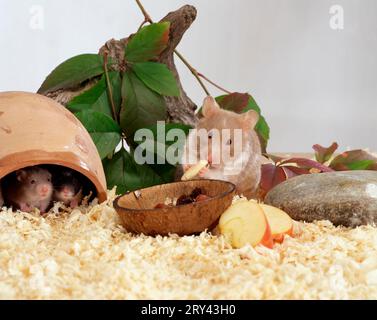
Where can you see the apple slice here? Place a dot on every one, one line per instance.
(280, 222)
(245, 223)
(194, 171)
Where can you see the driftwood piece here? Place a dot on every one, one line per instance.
(180, 109)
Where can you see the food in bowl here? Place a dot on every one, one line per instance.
(197, 195)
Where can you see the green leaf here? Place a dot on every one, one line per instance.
(243, 102)
(263, 130)
(122, 171)
(97, 98)
(148, 43)
(354, 160)
(142, 107)
(104, 131)
(157, 77)
(165, 171)
(73, 72)
(360, 165)
(252, 105)
(116, 85)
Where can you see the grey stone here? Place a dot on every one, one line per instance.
(347, 198)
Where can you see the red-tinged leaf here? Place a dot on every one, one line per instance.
(295, 171)
(268, 172)
(236, 102)
(267, 177)
(288, 173)
(323, 154)
(148, 43)
(275, 159)
(373, 166)
(271, 176)
(354, 160)
(280, 176)
(307, 164)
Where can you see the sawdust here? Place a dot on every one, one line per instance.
(86, 254)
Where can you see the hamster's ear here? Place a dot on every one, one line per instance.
(21, 175)
(210, 107)
(250, 119)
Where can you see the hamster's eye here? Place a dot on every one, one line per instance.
(32, 181)
(229, 142)
(49, 179)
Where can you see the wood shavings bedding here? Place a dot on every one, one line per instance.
(87, 255)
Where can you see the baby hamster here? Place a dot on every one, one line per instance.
(28, 188)
(67, 187)
(233, 155)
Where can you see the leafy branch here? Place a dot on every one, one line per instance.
(130, 90)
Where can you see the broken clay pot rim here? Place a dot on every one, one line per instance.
(60, 159)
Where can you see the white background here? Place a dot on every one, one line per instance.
(314, 84)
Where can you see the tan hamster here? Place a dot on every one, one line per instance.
(28, 188)
(233, 150)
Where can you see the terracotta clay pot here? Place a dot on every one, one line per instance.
(36, 130)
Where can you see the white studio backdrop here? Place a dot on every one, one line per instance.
(310, 64)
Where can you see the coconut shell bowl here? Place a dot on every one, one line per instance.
(139, 214)
(36, 130)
